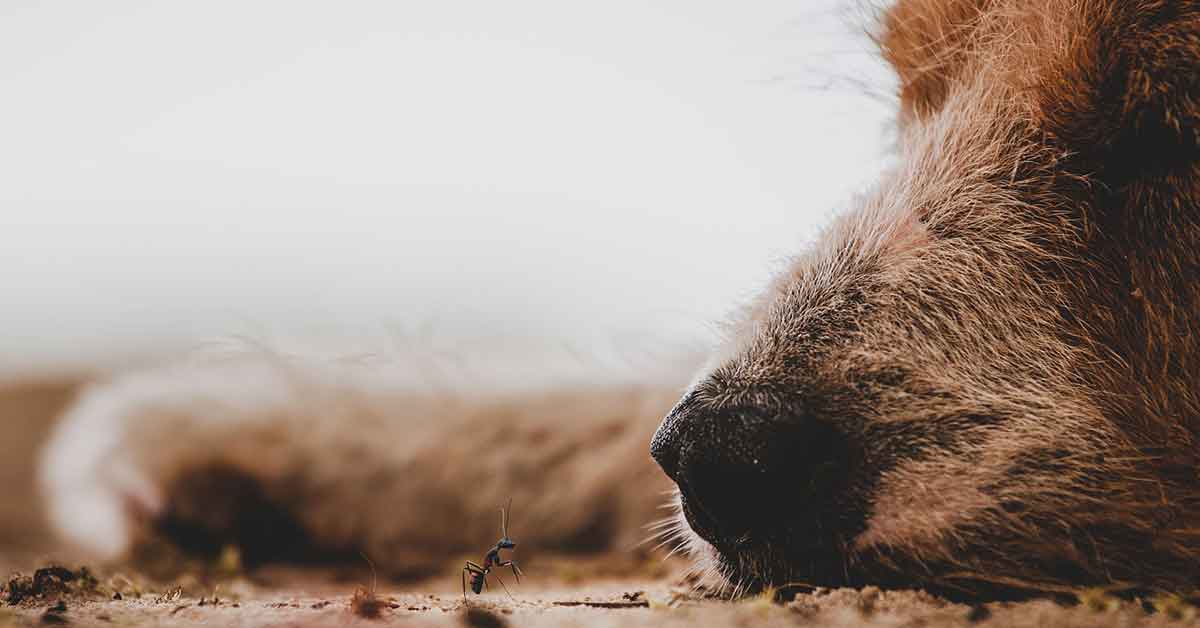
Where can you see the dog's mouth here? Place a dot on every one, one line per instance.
(773, 554)
(809, 543)
(724, 537)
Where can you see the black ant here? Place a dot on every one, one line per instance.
(479, 574)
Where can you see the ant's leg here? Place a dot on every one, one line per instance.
(515, 568)
(505, 588)
(472, 569)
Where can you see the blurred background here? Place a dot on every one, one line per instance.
(333, 177)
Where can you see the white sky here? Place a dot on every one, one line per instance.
(174, 172)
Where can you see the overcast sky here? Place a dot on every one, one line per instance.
(177, 172)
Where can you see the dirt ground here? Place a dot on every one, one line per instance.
(323, 599)
(565, 591)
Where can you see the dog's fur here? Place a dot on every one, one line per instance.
(1006, 331)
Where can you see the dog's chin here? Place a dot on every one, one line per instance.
(731, 573)
(747, 567)
(759, 565)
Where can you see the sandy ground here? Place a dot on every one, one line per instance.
(565, 591)
(316, 599)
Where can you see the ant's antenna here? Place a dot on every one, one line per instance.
(374, 575)
(504, 519)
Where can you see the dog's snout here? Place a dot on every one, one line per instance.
(741, 469)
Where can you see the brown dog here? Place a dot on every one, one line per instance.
(985, 375)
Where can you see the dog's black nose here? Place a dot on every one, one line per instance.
(742, 470)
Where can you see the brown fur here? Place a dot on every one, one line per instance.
(1005, 331)
(1007, 326)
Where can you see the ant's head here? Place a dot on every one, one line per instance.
(506, 543)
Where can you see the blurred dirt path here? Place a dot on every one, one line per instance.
(593, 605)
